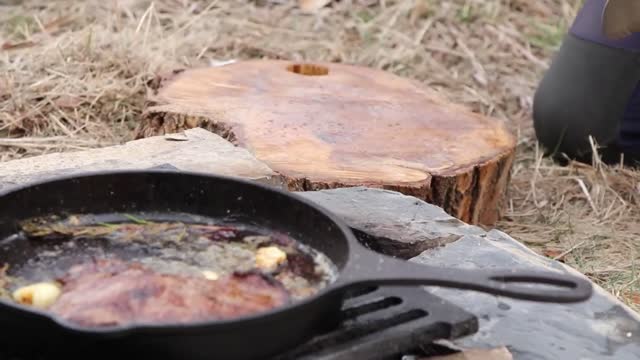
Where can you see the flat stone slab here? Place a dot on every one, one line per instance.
(601, 328)
(398, 225)
(403, 227)
(194, 150)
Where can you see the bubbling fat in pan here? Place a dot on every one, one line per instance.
(152, 272)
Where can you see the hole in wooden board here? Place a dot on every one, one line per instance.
(308, 69)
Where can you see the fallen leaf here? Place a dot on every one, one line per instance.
(552, 253)
(476, 354)
(56, 25)
(312, 5)
(50, 28)
(14, 46)
(633, 297)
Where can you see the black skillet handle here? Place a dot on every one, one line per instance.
(367, 268)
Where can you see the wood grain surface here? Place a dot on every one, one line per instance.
(326, 125)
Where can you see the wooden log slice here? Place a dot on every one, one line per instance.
(331, 125)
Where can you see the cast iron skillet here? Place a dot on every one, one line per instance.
(252, 337)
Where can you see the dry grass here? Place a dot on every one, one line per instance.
(74, 75)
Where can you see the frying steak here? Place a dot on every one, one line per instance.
(109, 292)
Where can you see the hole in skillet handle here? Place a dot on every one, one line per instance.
(366, 268)
(579, 289)
(529, 279)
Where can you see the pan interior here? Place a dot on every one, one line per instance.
(156, 196)
(34, 260)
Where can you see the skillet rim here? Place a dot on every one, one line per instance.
(194, 326)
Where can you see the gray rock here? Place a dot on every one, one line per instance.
(199, 151)
(403, 226)
(601, 328)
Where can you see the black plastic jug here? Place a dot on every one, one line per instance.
(591, 89)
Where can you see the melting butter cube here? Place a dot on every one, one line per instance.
(268, 258)
(210, 275)
(39, 295)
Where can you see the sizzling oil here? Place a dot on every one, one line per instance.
(51, 246)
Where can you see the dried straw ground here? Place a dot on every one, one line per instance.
(73, 75)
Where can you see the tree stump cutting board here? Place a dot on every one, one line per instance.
(328, 125)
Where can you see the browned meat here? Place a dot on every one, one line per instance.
(110, 292)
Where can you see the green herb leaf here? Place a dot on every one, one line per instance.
(135, 219)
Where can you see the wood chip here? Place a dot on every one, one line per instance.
(215, 63)
(312, 5)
